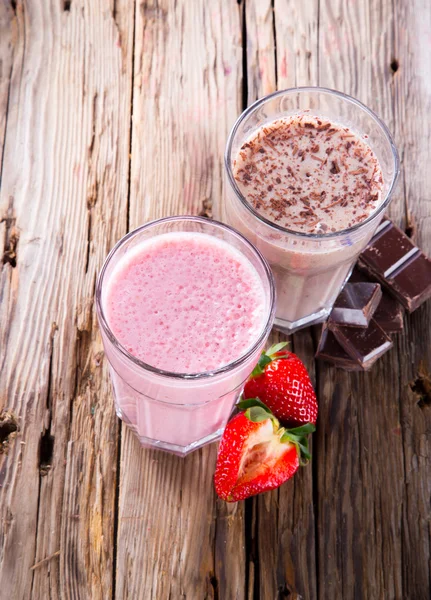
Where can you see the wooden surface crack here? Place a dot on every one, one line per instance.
(244, 57)
(132, 92)
(11, 236)
(46, 442)
(5, 116)
(274, 35)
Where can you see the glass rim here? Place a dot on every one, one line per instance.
(174, 375)
(280, 228)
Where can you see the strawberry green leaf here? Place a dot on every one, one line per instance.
(303, 429)
(276, 348)
(257, 414)
(260, 367)
(290, 437)
(267, 357)
(244, 404)
(297, 436)
(304, 454)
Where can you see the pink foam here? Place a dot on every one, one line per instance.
(185, 302)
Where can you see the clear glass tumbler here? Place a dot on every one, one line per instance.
(309, 269)
(174, 411)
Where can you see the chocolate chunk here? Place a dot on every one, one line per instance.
(360, 276)
(389, 313)
(356, 304)
(412, 283)
(364, 345)
(399, 265)
(330, 351)
(388, 250)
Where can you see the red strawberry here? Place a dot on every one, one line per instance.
(282, 382)
(256, 455)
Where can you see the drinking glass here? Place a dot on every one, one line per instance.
(179, 412)
(309, 269)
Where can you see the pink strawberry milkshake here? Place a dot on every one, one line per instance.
(185, 310)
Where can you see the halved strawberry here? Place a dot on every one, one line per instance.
(256, 454)
(281, 381)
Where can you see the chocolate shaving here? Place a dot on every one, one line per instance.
(272, 160)
(335, 169)
(335, 202)
(314, 157)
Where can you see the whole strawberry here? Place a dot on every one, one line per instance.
(256, 454)
(281, 381)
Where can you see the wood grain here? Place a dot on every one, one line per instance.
(68, 132)
(7, 35)
(186, 95)
(362, 414)
(111, 114)
(282, 554)
(412, 93)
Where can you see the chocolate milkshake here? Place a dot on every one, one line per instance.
(308, 188)
(309, 175)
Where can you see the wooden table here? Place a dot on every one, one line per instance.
(116, 112)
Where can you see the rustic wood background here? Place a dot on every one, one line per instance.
(115, 112)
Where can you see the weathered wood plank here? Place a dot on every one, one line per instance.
(362, 494)
(282, 554)
(260, 45)
(186, 96)
(7, 42)
(296, 25)
(410, 71)
(358, 514)
(65, 181)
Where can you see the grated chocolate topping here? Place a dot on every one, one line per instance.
(307, 162)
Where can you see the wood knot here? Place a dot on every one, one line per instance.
(421, 386)
(207, 208)
(394, 66)
(8, 429)
(9, 254)
(11, 235)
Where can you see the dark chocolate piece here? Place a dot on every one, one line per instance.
(356, 304)
(389, 249)
(389, 313)
(364, 345)
(412, 283)
(330, 351)
(360, 276)
(399, 265)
